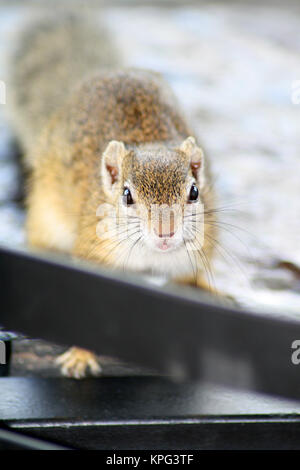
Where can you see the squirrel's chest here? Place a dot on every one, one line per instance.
(156, 279)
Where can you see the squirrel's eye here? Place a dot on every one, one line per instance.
(194, 193)
(127, 198)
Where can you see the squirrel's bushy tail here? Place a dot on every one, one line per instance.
(53, 54)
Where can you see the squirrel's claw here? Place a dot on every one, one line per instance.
(75, 362)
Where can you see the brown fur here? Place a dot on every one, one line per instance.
(52, 55)
(133, 106)
(66, 129)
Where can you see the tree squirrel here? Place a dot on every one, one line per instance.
(117, 175)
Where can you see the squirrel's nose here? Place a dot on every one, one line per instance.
(160, 234)
(165, 226)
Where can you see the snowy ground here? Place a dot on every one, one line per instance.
(232, 68)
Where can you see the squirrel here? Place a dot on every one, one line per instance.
(117, 175)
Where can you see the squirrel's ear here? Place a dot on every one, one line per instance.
(196, 157)
(111, 165)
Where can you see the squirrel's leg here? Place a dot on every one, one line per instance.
(202, 283)
(199, 282)
(76, 362)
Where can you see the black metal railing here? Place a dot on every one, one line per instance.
(179, 332)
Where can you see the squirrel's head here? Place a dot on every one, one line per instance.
(157, 190)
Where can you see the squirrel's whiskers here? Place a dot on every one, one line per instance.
(118, 177)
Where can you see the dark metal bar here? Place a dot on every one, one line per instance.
(12, 440)
(147, 413)
(175, 331)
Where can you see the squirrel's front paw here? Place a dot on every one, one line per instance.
(75, 363)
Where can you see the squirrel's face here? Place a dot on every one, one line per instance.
(157, 190)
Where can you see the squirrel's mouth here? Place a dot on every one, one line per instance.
(163, 241)
(165, 244)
